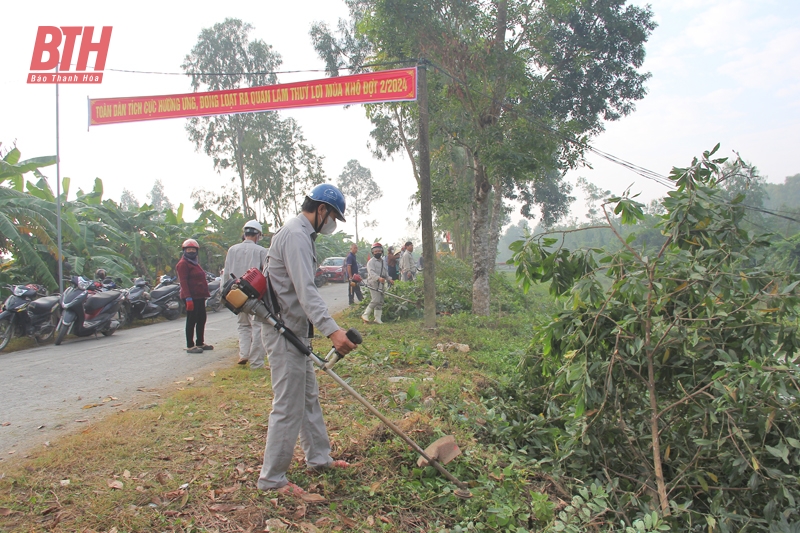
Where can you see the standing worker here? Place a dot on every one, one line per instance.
(351, 265)
(377, 277)
(292, 262)
(407, 263)
(391, 263)
(194, 291)
(242, 257)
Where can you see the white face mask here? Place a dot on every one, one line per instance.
(329, 226)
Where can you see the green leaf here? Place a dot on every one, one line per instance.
(12, 157)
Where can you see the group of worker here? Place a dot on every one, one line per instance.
(290, 264)
(381, 273)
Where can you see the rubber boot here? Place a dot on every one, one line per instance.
(378, 313)
(365, 316)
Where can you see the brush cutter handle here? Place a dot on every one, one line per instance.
(333, 357)
(354, 336)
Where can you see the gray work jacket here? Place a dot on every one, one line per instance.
(406, 262)
(242, 257)
(291, 264)
(376, 269)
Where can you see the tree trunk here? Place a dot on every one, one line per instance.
(480, 241)
(654, 432)
(237, 152)
(356, 226)
(406, 145)
(494, 228)
(482, 257)
(426, 208)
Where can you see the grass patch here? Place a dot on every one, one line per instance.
(191, 463)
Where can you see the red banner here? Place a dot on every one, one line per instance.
(384, 86)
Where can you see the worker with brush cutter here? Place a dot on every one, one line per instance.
(377, 277)
(291, 264)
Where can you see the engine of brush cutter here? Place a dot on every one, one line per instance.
(237, 292)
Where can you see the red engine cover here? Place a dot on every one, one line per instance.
(253, 283)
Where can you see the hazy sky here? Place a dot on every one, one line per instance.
(723, 71)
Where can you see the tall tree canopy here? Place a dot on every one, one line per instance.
(269, 156)
(359, 188)
(518, 86)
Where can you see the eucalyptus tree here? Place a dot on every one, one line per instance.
(268, 155)
(360, 189)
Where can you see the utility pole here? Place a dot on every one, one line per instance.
(426, 209)
(60, 269)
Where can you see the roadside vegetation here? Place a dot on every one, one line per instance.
(646, 387)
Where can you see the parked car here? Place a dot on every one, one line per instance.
(334, 269)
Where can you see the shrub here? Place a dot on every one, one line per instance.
(672, 375)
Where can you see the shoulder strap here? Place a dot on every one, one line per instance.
(271, 299)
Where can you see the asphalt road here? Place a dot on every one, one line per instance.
(47, 391)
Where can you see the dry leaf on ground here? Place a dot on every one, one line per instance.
(225, 507)
(312, 498)
(308, 527)
(300, 512)
(276, 524)
(174, 494)
(5, 511)
(114, 483)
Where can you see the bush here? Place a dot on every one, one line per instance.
(454, 293)
(673, 375)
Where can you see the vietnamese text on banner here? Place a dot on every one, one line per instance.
(384, 86)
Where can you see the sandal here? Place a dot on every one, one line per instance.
(290, 489)
(339, 463)
(206, 347)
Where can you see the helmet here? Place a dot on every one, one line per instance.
(190, 243)
(377, 245)
(330, 195)
(100, 273)
(252, 227)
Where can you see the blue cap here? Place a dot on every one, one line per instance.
(331, 195)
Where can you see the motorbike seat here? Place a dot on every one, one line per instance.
(159, 292)
(43, 304)
(100, 299)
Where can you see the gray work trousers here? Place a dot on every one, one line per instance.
(376, 299)
(251, 346)
(295, 412)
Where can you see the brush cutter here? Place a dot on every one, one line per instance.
(358, 279)
(247, 295)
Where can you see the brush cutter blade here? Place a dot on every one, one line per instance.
(443, 450)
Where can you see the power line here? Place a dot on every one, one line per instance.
(263, 73)
(642, 171)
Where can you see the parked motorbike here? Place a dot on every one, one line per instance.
(28, 311)
(214, 301)
(320, 277)
(125, 312)
(86, 310)
(167, 296)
